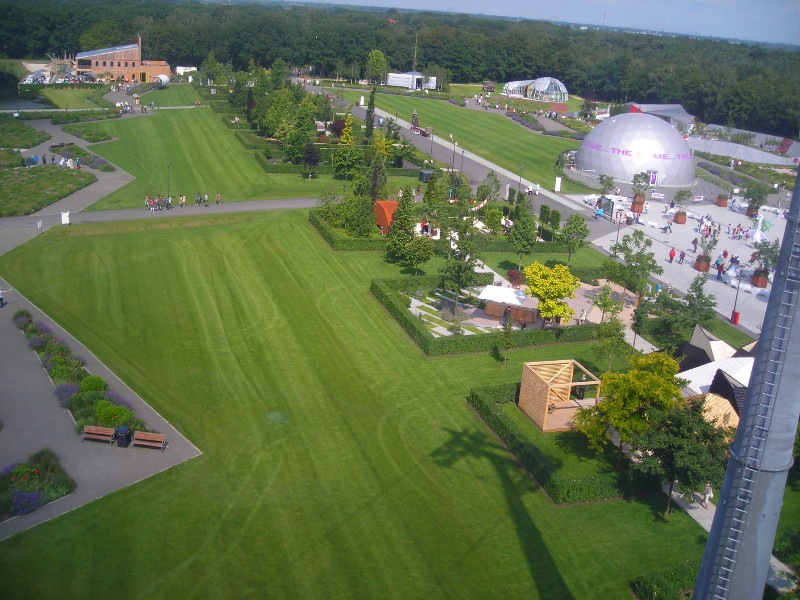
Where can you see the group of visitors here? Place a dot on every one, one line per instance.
(159, 202)
(35, 161)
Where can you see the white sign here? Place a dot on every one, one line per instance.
(558, 185)
(65, 218)
(657, 196)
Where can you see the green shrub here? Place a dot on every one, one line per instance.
(111, 415)
(340, 241)
(94, 383)
(666, 584)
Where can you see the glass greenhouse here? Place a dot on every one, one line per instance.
(546, 89)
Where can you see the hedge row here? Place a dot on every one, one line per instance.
(250, 140)
(338, 241)
(561, 489)
(228, 122)
(282, 167)
(385, 291)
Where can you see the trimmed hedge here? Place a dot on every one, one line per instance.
(397, 306)
(561, 489)
(250, 140)
(666, 584)
(338, 241)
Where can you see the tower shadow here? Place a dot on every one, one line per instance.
(543, 569)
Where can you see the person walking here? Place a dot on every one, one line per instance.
(720, 271)
(646, 207)
(197, 199)
(2, 299)
(708, 494)
(681, 257)
(672, 254)
(219, 199)
(205, 200)
(582, 318)
(694, 245)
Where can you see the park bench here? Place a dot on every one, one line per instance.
(154, 440)
(93, 432)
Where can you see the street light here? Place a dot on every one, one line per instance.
(168, 165)
(453, 158)
(346, 166)
(736, 299)
(519, 185)
(431, 134)
(462, 161)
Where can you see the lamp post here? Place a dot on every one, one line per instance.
(736, 299)
(519, 185)
(453, 158)
(619, 222)
(346, 166)
(431, 145)
(462, 161)
(168, 165)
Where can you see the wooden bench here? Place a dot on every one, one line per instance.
(93, 432)
(154, 440)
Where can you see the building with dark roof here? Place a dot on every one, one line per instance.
(120, 63)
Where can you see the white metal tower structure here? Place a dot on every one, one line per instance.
(736, 559)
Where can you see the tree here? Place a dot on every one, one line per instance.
(311, 157)
(304, 116)
(680, 446)
(489, 188)
(640, 183)
(649, 384)
(683, 197)
(550, 285)
(377, 66)
(573, 236)
(346, 160)
(401, 231)
(279, 74)
(523, 236)
(697, 307)
(102, 35)
(555, 220)
(377, 177)
(606, 184)
(347, 133)
(295, 146)
(508, 339)
(358, 214)
(606, 303)
(544, 214)
(459, 269)
(418, 250)
(766, 255)
(370, 120)
(588, 107)
(638, 263)
(610, 340)
(435, 196)
(757, 194)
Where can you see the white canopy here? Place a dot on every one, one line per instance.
(503, 295)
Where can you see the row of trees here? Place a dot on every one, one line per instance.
(748, 86)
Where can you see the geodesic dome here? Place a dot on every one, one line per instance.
(631, 143)
(546, 89)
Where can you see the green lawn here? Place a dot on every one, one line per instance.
(69, 98)
(722, 330)
(489, 135)
(175, 94)
(205, 157)
(502, 262)
(339, 461)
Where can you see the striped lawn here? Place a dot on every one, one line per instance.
(339, 461)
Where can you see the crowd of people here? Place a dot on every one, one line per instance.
(35, 161)
(159, 202)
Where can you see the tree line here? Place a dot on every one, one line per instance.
(742, 85)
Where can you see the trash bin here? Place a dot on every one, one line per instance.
(735, 318)
(123, 436)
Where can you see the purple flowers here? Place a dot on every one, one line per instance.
(65, 391)
(43, 328)
(23, 503)
(118, 400)
(36, 343)
(22, 321)
(8, 469)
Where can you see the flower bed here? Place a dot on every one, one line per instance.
(25, 487)
(86, 396)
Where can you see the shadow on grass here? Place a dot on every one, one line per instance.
(543, 569)
(507, 265)
(575, 444)
(497, 355)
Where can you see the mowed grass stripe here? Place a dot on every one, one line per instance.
(355, 469)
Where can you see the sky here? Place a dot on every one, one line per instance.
(775, 21)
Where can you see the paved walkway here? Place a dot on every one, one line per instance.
(705, 517)
(33, 420)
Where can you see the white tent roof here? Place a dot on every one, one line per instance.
(700, 378)
(503, 295)
(715, 348)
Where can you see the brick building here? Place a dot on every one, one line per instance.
(120, 63)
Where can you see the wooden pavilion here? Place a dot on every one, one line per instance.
(551, 396)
